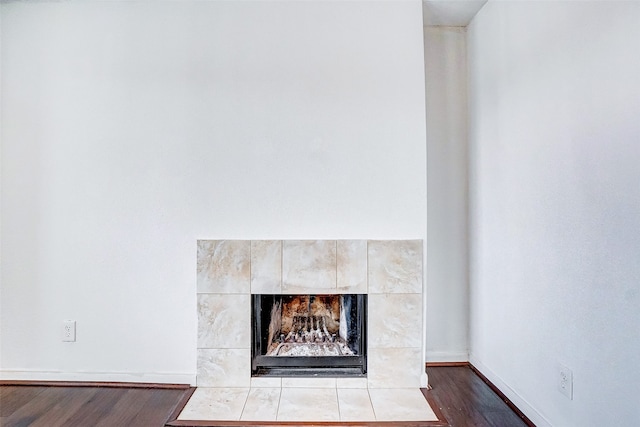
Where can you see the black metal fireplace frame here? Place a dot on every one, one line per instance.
(309, 366)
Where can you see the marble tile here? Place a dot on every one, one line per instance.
(224, 321)
(395, 266)
(351, 266)
(224, 266)
(262, 404)
(351, 382)
(266, 266)
(355, 405)
(394, 367)
(391, 271)
(308, 382)
(401, 405)
(224, 368)
(395, 320)
(308, 266)
(269, 382)
(308, 404)
(208, 404)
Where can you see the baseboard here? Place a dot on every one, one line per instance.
(98, 377)
(447, 356)
(163, 386)
(445, 364)
(516, 400)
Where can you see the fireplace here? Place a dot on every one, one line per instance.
(308, 335)
(378, 285)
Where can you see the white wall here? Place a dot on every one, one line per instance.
(132, 129)
(447, 246)
(555, 206)
(0, 187)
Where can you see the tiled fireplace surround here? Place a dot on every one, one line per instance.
(389, 271)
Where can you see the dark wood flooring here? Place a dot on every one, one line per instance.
(466, 401)
(52, 406)
(463, 398)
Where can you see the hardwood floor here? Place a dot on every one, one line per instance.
(48, 406)
(466, 401)
(463, 398)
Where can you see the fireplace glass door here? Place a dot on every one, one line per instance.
(309, 335)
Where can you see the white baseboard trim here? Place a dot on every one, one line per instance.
(447, 356)
(124, 377)
(536, 417)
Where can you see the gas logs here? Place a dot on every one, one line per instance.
(307, 325)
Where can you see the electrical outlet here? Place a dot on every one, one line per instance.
(69, 330)
(565, 381)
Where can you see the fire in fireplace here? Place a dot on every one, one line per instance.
(309, 335)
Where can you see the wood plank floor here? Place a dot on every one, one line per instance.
(33, 406)
(464, 399)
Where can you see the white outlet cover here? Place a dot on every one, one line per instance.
(69, 331)
(565, 381)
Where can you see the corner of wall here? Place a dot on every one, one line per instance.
(1, 185)
(447, 193)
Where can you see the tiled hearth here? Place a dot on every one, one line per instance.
(308, 404)
(390, 272)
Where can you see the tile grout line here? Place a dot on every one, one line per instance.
(281, 269)
(246, 399)
(338, 401)
(366, 266)
(371, 402)
(279, 399)
(336, 265)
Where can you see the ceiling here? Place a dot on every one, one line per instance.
(450, 13)
(447, 13)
